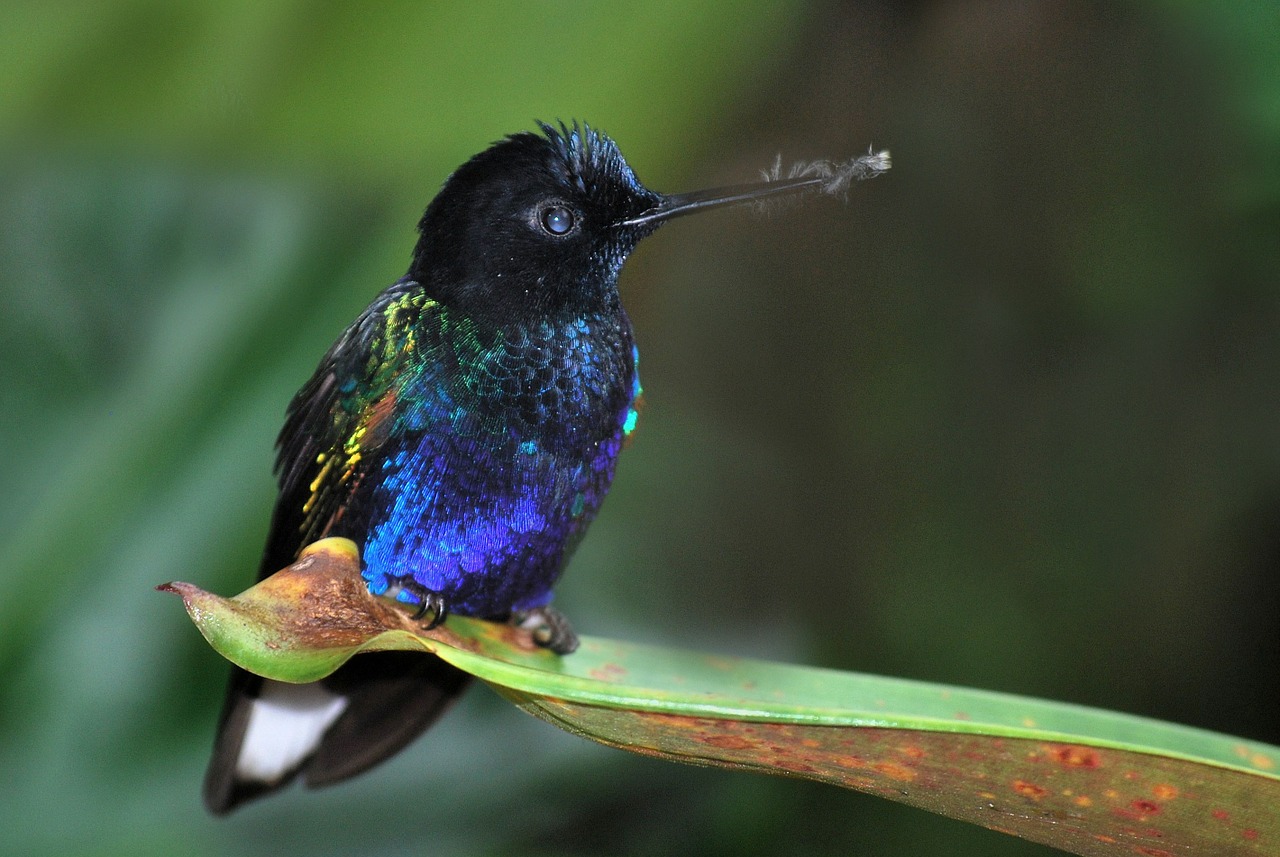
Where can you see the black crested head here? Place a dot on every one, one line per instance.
(591, 162)
(538, 225)
(531, 225)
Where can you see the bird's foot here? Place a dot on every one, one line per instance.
(425, 601)
(549, 627)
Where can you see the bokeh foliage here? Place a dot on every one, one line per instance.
(1007, 419)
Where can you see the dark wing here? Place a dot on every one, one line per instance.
(331, 430)
(269, 732)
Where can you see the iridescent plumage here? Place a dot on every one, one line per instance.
(480, 459)
(463, 432)
(463, 442)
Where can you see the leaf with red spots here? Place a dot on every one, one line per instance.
(1087, 781)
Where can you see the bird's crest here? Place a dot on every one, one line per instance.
(588, 156)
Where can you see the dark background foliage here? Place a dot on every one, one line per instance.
(1006, 419)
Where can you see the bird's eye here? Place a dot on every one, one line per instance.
(557, 220)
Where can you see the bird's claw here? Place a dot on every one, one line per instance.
(549, 628)
(428, 602)
(434, 604)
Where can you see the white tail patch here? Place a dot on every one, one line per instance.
(286, 723)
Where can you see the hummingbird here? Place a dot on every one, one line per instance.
(463, 432)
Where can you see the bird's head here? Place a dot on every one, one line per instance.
(540, 224)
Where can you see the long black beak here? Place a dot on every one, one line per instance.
(820, 177)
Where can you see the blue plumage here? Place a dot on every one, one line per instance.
(463, 432)
(490, 476)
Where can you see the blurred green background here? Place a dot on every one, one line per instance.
(1008, 418)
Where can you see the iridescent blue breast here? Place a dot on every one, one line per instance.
(499, 457)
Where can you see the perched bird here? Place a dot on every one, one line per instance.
(463, 432)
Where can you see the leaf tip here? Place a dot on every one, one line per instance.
(185, 591)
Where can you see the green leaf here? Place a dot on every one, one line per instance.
(1087, 781)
